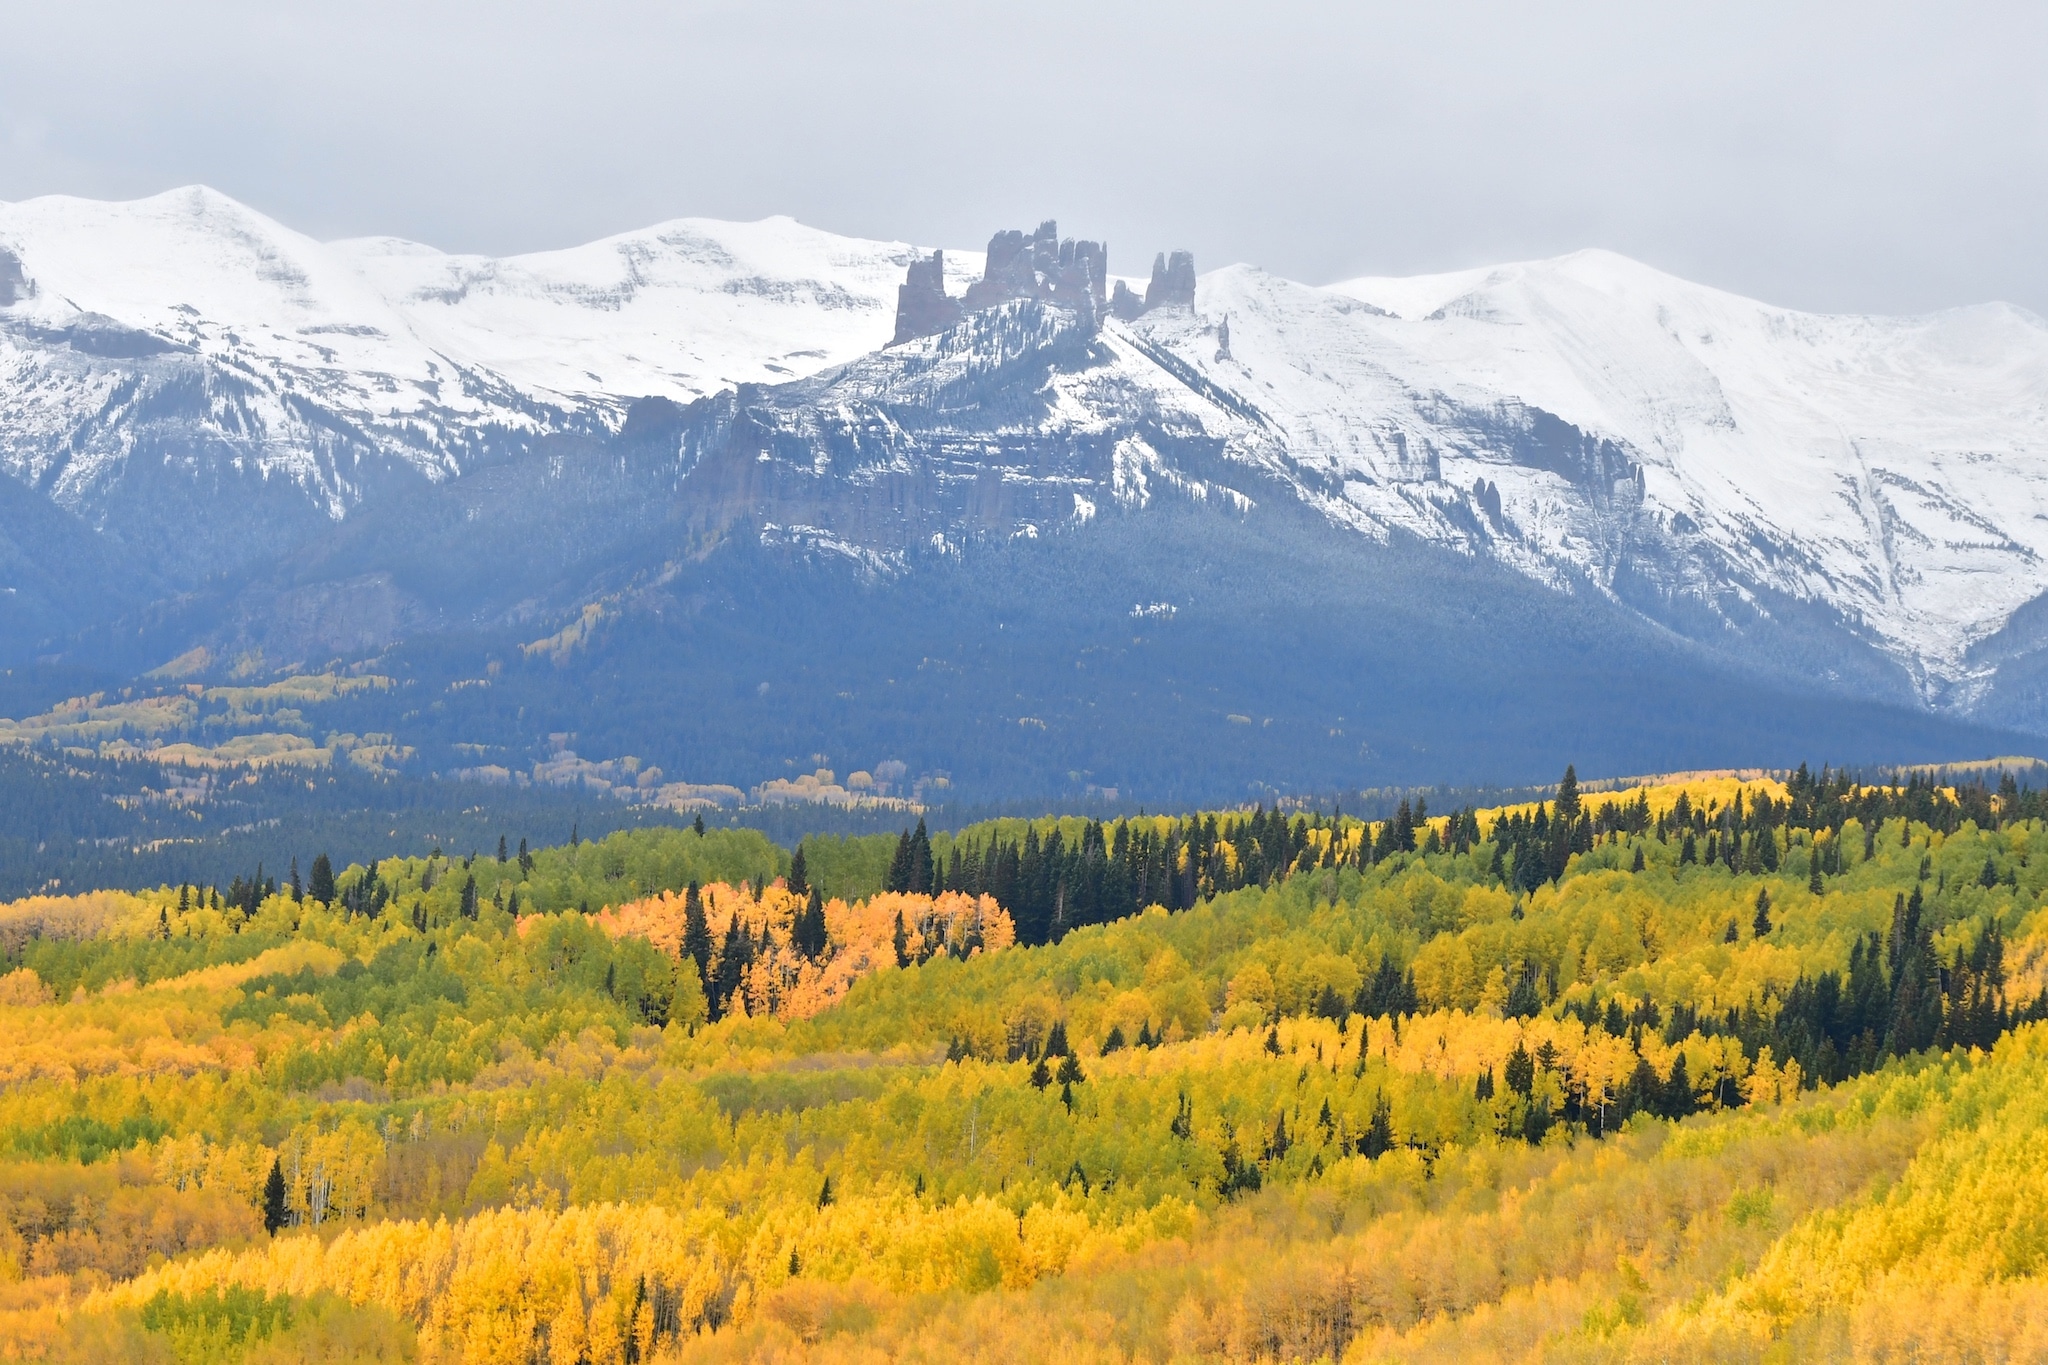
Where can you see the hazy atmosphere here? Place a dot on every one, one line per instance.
(1828, 156)
(1417, 734)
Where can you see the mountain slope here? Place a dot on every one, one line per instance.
(322, 452)
(1895, 468)
(190, 337)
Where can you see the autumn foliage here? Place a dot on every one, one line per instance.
(863, 938)
(1548, 1083)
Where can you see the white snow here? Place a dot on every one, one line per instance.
(1894, 468)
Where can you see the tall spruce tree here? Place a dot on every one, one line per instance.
(697, 935)
(320, 883)
(808, 931)
(276, 1213)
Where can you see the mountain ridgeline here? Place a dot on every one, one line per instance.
(801, 502)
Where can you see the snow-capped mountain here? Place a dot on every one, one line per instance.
(1832, 495)
(1893, 468)
(313, 362)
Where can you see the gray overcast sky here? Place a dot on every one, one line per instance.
(1864, 156)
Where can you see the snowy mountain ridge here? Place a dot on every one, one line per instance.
(1596, 424)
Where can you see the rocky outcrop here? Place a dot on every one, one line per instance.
(922, 305)
(1172, 286)
(1173, 281)
(1066, 273)
(12, 283)
(1072, 274)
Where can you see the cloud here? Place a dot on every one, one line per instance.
(1834, 156)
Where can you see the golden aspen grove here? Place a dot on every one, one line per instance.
(1708, 1068)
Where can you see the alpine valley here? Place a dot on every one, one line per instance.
(694, 512)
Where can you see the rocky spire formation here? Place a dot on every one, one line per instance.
(1173, 281)
(922, 305)
(1068, 273)
(1172, 286)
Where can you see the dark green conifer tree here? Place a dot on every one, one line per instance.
(809, 929)
(1678, 1097)
(918, 875)
(1379, 1133)
(697, 935)
(276, 1213)
(731, 971)
(1520, 1070)
(320, 883)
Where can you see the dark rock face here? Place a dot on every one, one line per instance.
(1173, 281)
(12, 282)
(1124, 304)
(1067, 274)
(922, 307)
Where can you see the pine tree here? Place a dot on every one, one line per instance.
(525, 860)
(320, 884)
(1520, 1070)
(901, 942)
(919, 872)
(275, 1212)
(1114, 1042)
(698, 824)
(825, 1195)
(1813, 882)
(504, 853)
(1678, 1096)
(1379, 1134)
(1041, 1075)
(1762, 924)
(799, 876)
(1277, 1145)
(1639, 864)
(298, 891)
(898, 876)
(809, 929)
(469, 906)
(733, 960)
(697, 935)
(1568, 795)
(1056, 1040)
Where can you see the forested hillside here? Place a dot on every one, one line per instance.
(1703, 1070)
